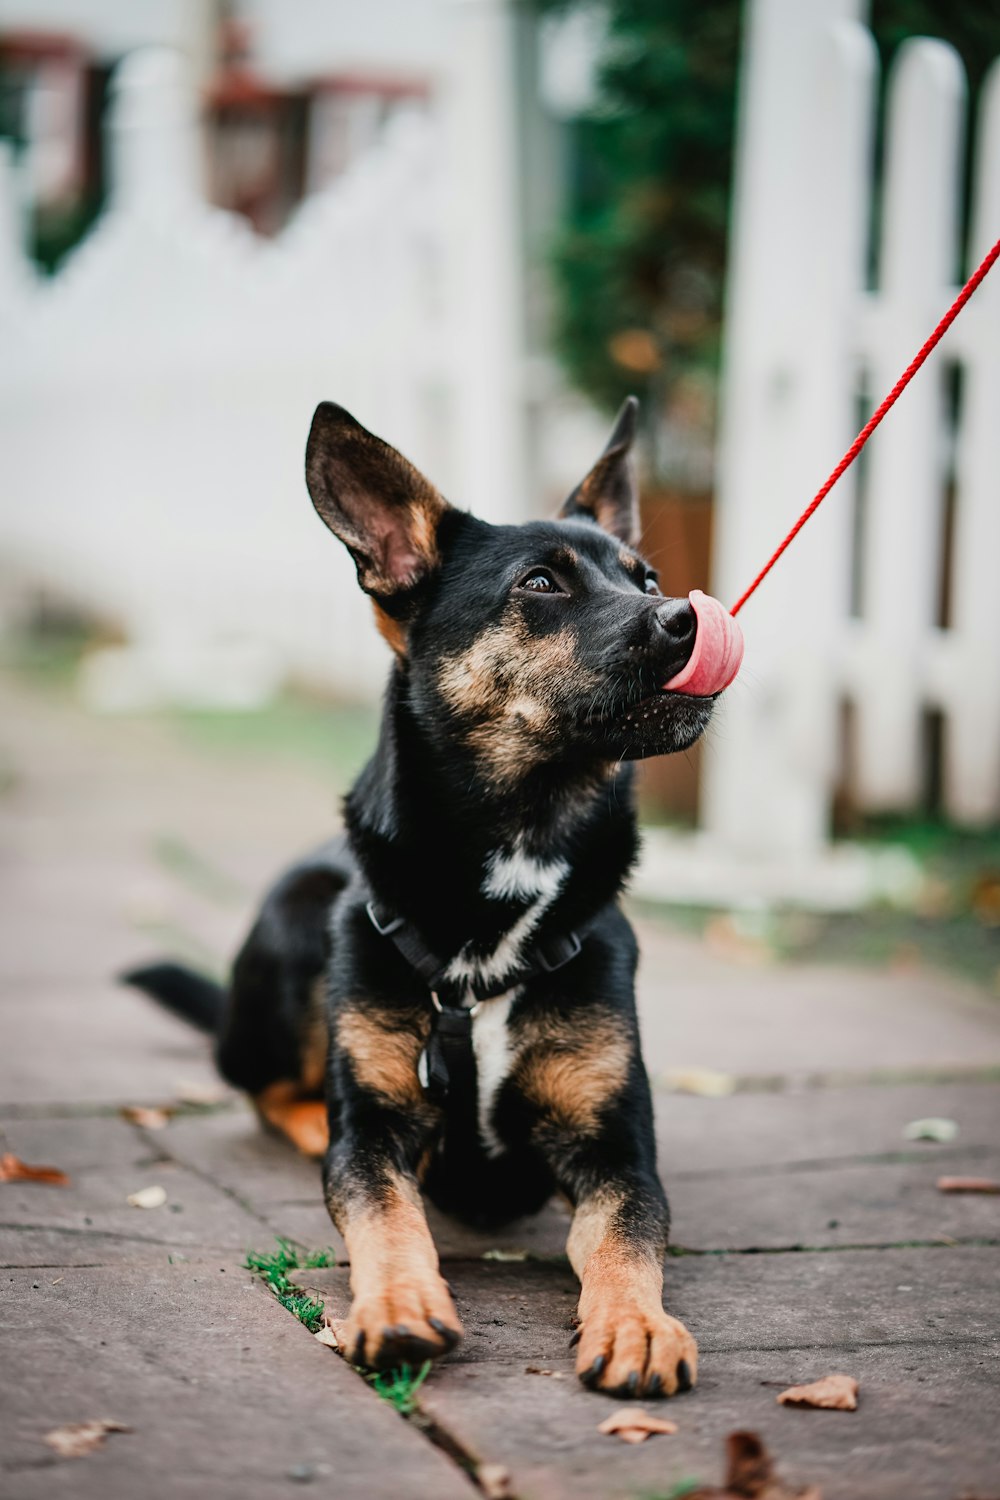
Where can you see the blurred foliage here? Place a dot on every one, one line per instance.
(951, 924)
(640, 261)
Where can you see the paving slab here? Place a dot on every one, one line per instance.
(227, 1396)
(94, 1043)
(917, 1328)
(771, 1170)
(90, 1221)
(771, 1130)
(697, 1009)
(845, 1205)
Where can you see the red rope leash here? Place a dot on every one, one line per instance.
(875, 419)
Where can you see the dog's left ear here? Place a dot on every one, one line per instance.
(610, 495)
(382, 508)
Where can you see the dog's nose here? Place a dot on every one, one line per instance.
(676, 628)
(676, 619)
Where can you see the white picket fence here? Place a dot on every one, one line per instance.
(155, 395)
(810, 350)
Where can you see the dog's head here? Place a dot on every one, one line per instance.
(529, 644)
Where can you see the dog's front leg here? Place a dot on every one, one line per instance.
(380, 1129)
(628, 1345)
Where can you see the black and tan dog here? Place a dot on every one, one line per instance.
(443, 1001)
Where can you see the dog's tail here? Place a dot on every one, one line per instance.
(189, 995)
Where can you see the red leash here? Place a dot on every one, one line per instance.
(875, 419)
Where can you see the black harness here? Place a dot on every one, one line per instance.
(449, 1047)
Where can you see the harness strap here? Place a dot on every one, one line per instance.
(449, 1052)
(541, 958)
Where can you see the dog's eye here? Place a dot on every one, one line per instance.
(540, 583)
(652, 584)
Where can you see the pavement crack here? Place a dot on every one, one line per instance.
(944, 1242)
(90, 1234)
(961, 1341)
(206, 1177)
(838, 1163)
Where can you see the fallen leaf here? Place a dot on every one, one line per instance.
(80, 1438)
(147, 1116)
(327, 1336)
(750, 1475)
(985, 901)
(538, 1370)
(836, 1392)
(634, 1426)
(932, 1129)
(202, 1095)
(967, 1185)
(13, 1169)
(512, 1255)
(706, 1082)
(148, 1197)
(494, 1481)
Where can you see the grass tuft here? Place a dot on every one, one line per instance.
(400, 1387)
(273, 1267)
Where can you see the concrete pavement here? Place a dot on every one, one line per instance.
(813, 1237)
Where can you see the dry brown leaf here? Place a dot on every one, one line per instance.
(634, 1426)
(13, 1169)
(148, 1197)
(327, 1336)
(540, 1370)
(148, 1116)
(750, 1475)
(834, 1392)
(80, 1438)
(494, 1481)
(967, 1185)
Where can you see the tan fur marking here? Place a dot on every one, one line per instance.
(425, 515)
(508, 685)
(572, 1074)
(315, 1041)
(395, 1278)
(302, 1121)
(384, 1053)
(591, 1222)
(391, 631)
(622, 1321)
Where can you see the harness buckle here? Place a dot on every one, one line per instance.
(550, 965)
(386, 930)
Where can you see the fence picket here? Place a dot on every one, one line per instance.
(971, 692)
(903, 517)
(769, 780)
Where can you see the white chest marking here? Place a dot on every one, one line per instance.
(491, 1045)
(509, 876)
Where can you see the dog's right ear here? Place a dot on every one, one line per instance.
(382, 508)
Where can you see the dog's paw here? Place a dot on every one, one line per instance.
(405, 1323)
(627, 1351)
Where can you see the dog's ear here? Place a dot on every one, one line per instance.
(382, 508)
(610, 495)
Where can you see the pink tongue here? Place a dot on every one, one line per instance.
(718, 650)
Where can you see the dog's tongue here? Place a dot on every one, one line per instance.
(718, 650)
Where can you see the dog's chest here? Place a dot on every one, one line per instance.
(511, 875)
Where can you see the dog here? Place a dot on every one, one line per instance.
(442, 1001)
